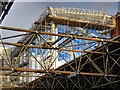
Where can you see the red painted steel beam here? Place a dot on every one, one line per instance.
(54, 34)
(57, 72)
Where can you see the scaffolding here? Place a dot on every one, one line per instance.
(65, 48)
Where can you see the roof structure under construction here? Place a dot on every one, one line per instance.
(67, 48)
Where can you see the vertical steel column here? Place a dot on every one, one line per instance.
(116, 32)
(72, 53)
(54, 29)
(117, 24)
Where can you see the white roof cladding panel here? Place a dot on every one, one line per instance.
(76, 11)
(82, 14)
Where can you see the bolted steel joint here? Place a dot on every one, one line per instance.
(36, 32)
(12, 69)
(102, 40)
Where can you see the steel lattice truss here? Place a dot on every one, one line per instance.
(79, 39)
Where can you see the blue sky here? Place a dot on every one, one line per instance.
(23, 14)
(66, 0)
